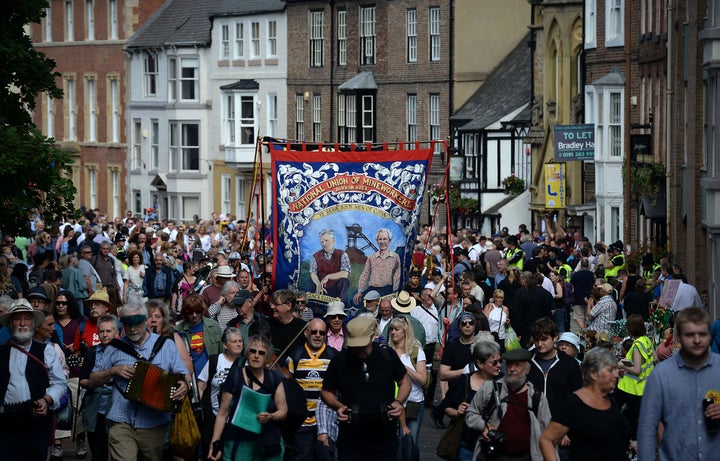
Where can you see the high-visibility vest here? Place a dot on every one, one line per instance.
(511, 254)
(635, 384)
(648, 274)
(613, 271)
(568, 271)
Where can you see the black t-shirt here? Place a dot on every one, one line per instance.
(638, 302)
(456, 355)
(283, 334)
(597, 435)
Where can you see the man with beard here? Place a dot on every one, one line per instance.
(308, 365)
(365, 375)
(159, 280)
(510, 406)
(137, 432)
(32, 382)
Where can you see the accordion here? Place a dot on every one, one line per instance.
(152, 386)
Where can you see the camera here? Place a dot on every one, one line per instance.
(495, 445)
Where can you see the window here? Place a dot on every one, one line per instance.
(412, 35)
(254, 39)
(299, 117)
(435, 120)
(225, 194)
(113, 22)
(136, 160)
(347, 118)
(71, 132)
(90, 19)
(367, 35)
(50, 117)
(92, 110)
(342, 37)
(247, 119)
(341, 119)
(272, 112)
(590, 23)
(92, 187)
(190, 208)
(316, 38)
(240, 200)
(615, 125)
(434, 34)
(115, 110)
(368, 119)
(154, 145)
(317, 125)
(614, 23)
(137, 201)
(115, 178)
(225, 41)
(186, 154)
(172, 79)
(151, 74)
(189, 79)
(69, 24)
(412, 118)
(230, 118)
(239, 51)
(272, 38)
(48, 24)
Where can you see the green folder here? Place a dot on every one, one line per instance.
(250, 404)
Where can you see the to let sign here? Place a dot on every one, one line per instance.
(574, 142)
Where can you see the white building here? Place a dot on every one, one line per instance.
(205, 79)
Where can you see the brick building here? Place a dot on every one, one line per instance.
(86, 39)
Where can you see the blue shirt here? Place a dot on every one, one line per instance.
(673, 395)
(125, 411)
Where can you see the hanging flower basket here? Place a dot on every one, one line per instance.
(436, 192)
(513, 185)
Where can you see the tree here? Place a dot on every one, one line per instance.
(35, 171)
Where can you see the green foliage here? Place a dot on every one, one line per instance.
(34, 170)
(645, 179)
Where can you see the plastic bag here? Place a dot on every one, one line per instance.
(185, 433)
(511, 340)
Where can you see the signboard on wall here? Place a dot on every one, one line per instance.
(574, 142)
(555, 181)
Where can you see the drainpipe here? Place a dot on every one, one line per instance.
(668, 123)
(332, 70)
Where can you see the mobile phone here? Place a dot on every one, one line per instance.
(627, 362)
(216, 447)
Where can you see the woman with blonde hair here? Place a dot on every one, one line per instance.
(402, 340)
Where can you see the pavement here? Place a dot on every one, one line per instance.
(429, 438)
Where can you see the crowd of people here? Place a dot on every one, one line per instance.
(516, 334)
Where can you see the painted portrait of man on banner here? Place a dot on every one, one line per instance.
(345, 219)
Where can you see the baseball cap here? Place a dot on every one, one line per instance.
(360, 331)
(240, 297)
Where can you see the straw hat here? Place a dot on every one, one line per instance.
(403, 302)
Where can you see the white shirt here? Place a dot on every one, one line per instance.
(18, 389)
(416, 392)
(548, 285)
(425, 316)
(221, 374)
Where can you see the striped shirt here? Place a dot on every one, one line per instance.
(309, 372)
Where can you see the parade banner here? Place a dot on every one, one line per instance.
(345, 220)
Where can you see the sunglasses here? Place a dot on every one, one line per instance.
(335, 317)
(318, 332)
(301, 302)
(467, 322)
(366, 374)
(61, 303)
(257, 352)
(495, 362)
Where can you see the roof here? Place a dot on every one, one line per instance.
(244, 84)
(505, 89)
(188, 22)
(613, 78)
(362, 81)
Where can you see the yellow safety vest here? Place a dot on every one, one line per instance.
(635, 384)
(511, 254)
(648, 275)
(613, 271)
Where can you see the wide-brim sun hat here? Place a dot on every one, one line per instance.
(570, 338)
(403, 302)
(335, 308)
(225, 272)
(100, 296)
(19, 306)
(360, 331)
